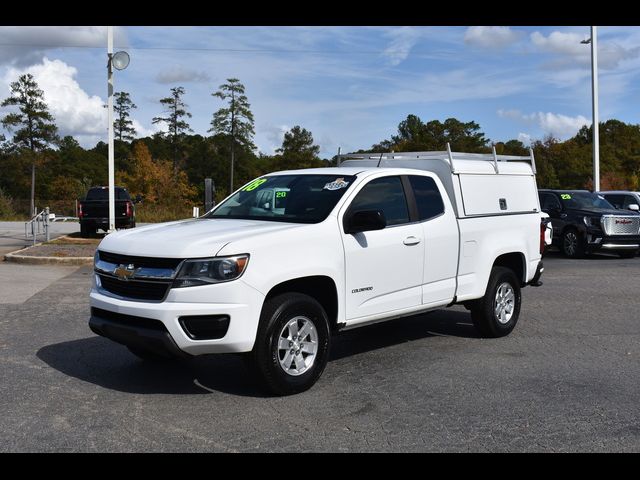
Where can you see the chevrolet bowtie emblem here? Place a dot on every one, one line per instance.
(125, 272)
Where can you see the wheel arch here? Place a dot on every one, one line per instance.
(320, 287)
(516, 262)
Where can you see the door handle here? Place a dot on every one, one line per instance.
(411, 240)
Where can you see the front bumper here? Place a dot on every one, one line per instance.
(596, 240)
(236, 299)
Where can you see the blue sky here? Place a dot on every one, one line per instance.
(350, 86)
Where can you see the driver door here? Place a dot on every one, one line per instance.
(383, 267)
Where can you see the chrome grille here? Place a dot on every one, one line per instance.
(621, 224)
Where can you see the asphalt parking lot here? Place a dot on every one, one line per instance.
(565, 380)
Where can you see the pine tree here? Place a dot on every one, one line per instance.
(298, 150)
(176, 111)
(122, 124)
(235, 121)
(32, 125)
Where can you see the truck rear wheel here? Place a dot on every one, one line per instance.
(292, 343)
(496, 314)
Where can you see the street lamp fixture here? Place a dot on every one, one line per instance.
(120, 60)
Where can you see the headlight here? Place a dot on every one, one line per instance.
(205, 271)
(591, 221)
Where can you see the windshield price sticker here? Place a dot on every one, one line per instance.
(565, 196)
(337, 184)
(255, 184)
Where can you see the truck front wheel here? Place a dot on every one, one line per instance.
(496, 314)
(572, 244)
(292, 343)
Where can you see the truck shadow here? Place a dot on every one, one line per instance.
(109, 365)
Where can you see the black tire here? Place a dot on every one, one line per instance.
(266, 357)
(83, 230)
(483, 312)
(147, 355)
(571, 244)
(627, 254)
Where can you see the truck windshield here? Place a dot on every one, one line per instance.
(285, 198)
(584, 200)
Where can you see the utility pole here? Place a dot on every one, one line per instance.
(594, 105)
(112, 202)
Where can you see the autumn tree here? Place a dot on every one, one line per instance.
(32, 125)
(154, 179)
(235, 120)
(176, 112)
(123, 125)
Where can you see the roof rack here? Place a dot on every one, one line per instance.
(447, 154)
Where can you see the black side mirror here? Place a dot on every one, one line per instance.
(364, 221)
(138, 198)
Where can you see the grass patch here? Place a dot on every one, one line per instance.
(151, 213)
(74, 239)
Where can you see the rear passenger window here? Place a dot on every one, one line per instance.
(428, 197)
(548, 201)
(384, 194)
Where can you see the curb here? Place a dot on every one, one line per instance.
(15, 257)
(32, 260)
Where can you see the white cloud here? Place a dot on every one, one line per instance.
(22, 45)
(561, 42)
(525, 138)
(142, 131)
(403, 40)
(610, 54)
(271, 138)
(490, 37)
(556, 124)
(76, 113)
(181, 75)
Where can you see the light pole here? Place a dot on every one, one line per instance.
(594, 103)
(119, 61)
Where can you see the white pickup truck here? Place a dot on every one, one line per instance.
(294, 256)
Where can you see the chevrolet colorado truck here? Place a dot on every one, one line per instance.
(292, 257)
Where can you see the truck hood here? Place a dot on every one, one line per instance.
(192, 238)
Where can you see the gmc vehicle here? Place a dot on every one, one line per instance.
(623, 199)
(584, 222)
(292, 257)
(93, 211)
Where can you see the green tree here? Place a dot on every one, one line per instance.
(415, 135)
(236, 120)
(176, 112)
(297, 150)
(32, 125)
(123, 125)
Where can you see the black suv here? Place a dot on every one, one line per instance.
(584, 222)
